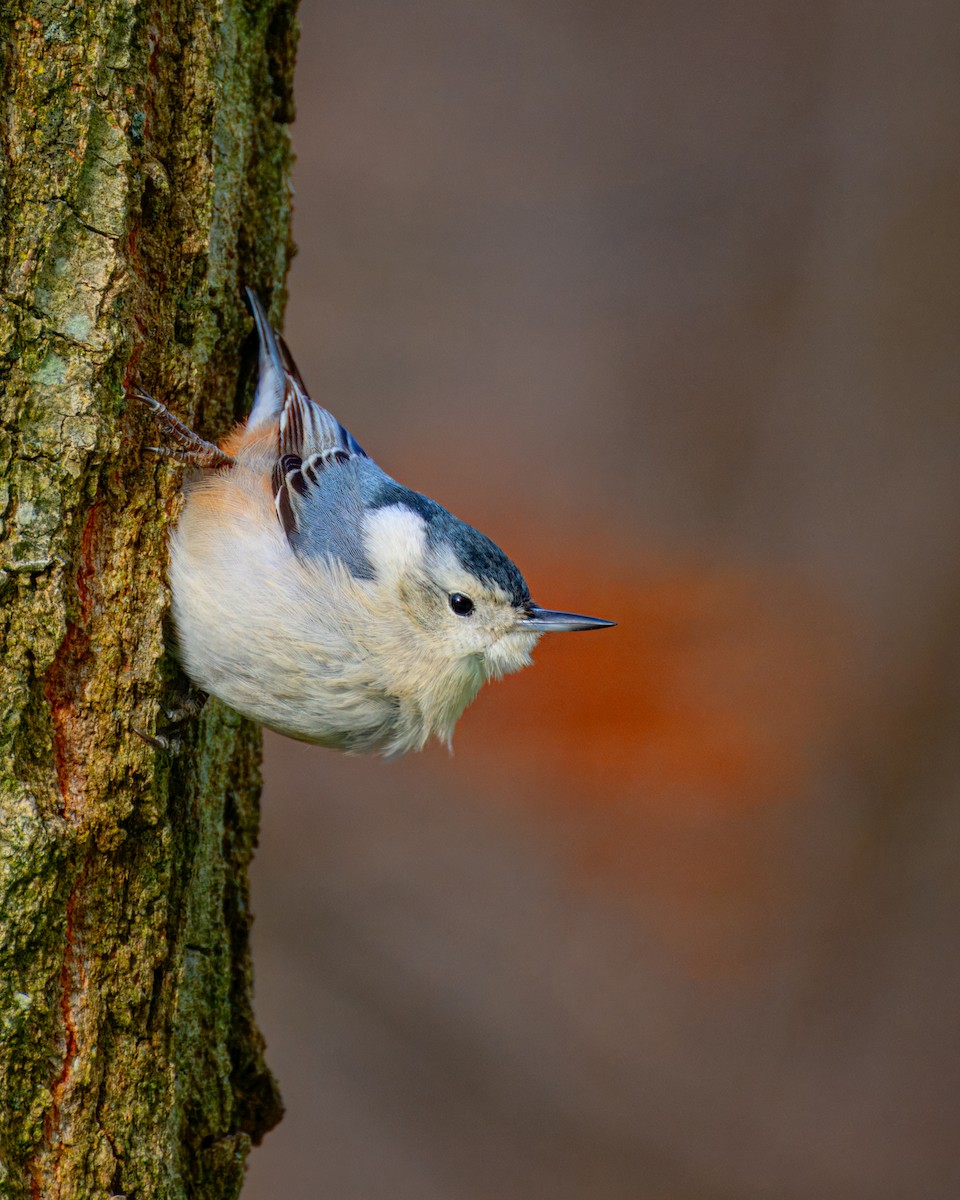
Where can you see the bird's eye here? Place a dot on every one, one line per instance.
(461, 605)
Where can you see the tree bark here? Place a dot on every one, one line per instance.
(144, 178)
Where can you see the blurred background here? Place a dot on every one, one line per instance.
(665, 298)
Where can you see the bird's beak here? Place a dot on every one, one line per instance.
(545, 620)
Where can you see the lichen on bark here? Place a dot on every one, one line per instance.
(143, 178)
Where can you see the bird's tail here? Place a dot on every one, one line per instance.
(271, 384)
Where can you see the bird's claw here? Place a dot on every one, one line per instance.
(190, 706)
(190, 448)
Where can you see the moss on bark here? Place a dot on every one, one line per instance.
(144, 178)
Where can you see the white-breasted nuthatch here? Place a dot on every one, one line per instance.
(325, 600)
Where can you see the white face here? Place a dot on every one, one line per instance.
(467, 618)
(474, 617)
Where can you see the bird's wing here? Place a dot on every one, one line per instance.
(322, 475)
(322, 504)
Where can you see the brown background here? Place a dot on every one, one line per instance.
(664, 298)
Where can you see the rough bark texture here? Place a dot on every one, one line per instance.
(145, 160)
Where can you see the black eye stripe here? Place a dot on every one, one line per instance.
(461, 605)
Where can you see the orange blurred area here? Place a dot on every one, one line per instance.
(708, 694)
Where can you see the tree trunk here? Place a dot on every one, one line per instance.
(144, 178)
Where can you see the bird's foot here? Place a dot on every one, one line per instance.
(190, 705)
(190, 447)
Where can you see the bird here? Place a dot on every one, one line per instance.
(318, 596)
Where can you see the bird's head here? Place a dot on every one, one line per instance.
(460, 592)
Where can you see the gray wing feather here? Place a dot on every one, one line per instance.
(323, 478)
(323, 507)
